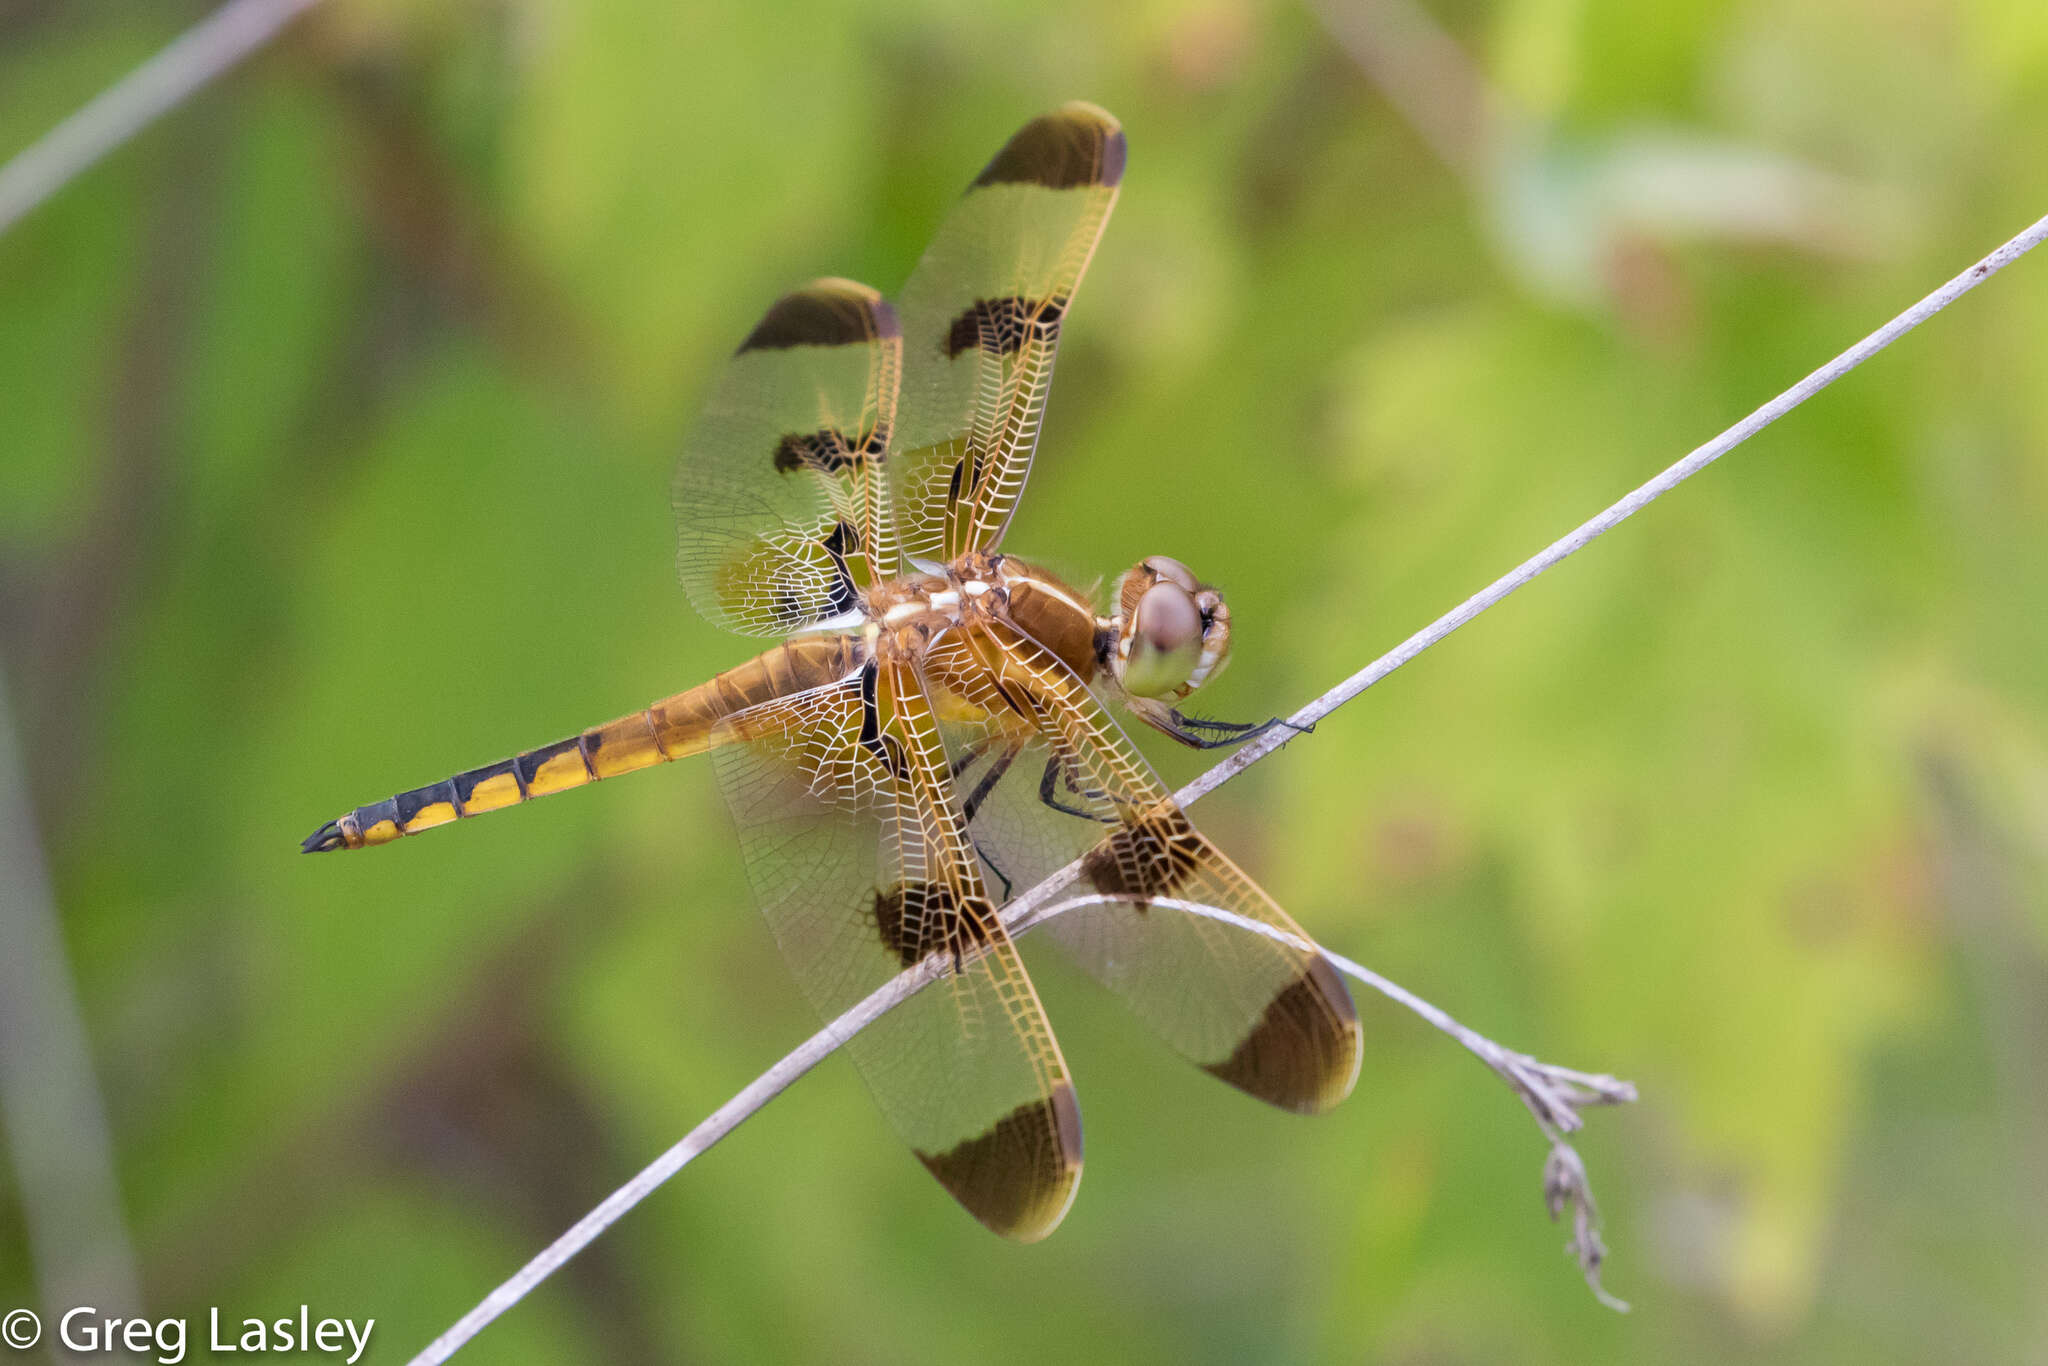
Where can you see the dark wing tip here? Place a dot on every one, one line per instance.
(1019, 1177)
(830, 312)
(1076, 144)
(1304, 1052)
(327, 837)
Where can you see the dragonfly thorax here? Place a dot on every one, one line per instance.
(1167, 635)
(903, 616)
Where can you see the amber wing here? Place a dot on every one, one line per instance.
(857, 854)
(982, 315)
(780, 495)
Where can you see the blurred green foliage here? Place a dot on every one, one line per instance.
(338, 413)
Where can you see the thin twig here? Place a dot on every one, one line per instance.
(722, 1121)
(131, 104)
(1620, 512)
(1551, 1093)
(1529, 1077)
(1554, 1095)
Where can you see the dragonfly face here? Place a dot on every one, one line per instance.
(1172, 636)
(927, 737)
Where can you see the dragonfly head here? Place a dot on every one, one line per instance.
(1173, 631)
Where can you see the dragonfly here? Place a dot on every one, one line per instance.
(931, 732)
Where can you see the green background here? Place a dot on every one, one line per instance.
(336, 418)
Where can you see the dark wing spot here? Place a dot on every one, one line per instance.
(821, 450)
(1074, 145)
(888, 913)
(828, 451)
(1148, 858)
(827, 313)
(870, 712)
(917, 919)
(1303, 1052)
(843, 541)
(1016, 1176)
(1003, 326)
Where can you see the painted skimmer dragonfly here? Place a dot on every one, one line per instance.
(928, 734)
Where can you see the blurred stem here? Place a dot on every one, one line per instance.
(50, 1108)
(1425, 75)
(64, 613)
(213, 45)
(1979, 884)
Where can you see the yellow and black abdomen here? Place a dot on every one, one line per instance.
(679, 726)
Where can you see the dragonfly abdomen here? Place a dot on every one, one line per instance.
(673, 728)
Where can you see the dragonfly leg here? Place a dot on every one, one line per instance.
(1048, 792)
(1201, 733)
(992, 866)
(988, 780)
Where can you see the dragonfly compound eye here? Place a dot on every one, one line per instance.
(1165, 645)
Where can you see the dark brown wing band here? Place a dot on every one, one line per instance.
(1302, 1054)
(1076, 144)
(824, 313)
(988, 1173)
